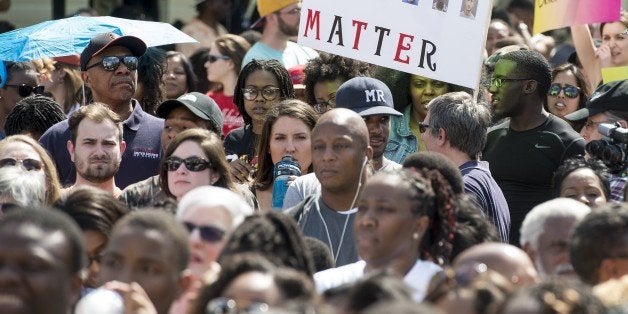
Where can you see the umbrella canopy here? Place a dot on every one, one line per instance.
(71, 35)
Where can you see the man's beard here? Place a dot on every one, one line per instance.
(287, 29)
(98, 173)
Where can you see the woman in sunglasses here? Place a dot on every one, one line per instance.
(223, 65)
(261, 84)
(210, 214)
(569, 92)
(194, 158)
(23, 151)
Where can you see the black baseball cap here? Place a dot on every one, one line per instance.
(610, 96)
(366, 96)
(103, 41)
(199, 104)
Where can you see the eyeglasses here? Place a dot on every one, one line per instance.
(212, 58)
(28, 163)
(26, 90)
(268, 93)
(324, 106)
(208, 233)
(423, 127)
(111, 63)
(193, 164)
(569, 91)
(499, 81)
(229, 306)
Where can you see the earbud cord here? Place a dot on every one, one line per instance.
(344, 228)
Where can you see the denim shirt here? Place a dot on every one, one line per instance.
(401, 141)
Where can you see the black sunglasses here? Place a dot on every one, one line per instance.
(28, 164)
(569, 91)
(213, 58)
(111, 63)
(26, 90)
(208, 233)
(194, 164)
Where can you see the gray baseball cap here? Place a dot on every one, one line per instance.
(366, 96)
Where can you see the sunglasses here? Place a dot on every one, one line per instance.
(212, 58)
(26, 90)
(194, 164)
(28, 164)
(208, 233)
(112, 63)
(222, 305)
(268, 93)
(569, 91)
(423, 127)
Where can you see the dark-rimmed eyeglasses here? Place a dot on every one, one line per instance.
(28, 163)
(499, 81)
(111, 63)
(268, 93)
(324, 106)
(193, 164)
(224, 305)
(208, 233)
(25, 90)
(213, 58)
(569, 91)
(423, 127)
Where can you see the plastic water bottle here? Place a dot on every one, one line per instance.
(100, 301)
(285, 168)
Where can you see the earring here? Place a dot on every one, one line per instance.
(415, 236)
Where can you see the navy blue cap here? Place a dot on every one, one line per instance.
(366, 96)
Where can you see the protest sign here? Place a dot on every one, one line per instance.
(439, 39)
(554, 14)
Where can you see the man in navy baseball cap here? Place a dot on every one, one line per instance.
(372, 100)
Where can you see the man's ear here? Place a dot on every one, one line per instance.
(442, 137)
(530, 86)
(122, 147)
(86, 80)
(70, 147)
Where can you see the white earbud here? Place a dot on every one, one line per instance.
(366, 159)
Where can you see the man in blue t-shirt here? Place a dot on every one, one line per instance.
(455, 126)
(109, 69)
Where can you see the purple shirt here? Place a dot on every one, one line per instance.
(142, 134)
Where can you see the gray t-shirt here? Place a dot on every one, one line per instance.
(327, 225)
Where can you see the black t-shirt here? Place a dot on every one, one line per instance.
(523, 163)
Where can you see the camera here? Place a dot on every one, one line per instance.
(612, 149)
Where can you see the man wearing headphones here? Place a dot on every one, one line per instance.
(340, 153)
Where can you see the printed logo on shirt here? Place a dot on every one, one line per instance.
(142, 152)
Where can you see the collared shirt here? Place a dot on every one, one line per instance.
(142, 134)
(401, 141)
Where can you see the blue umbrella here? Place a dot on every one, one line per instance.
(71, 35)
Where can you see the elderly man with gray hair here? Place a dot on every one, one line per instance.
(456, 126)
(545, 235)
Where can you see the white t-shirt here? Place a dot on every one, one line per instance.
(417, 279)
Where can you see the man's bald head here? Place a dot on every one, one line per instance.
(347, 119)
(510, 261)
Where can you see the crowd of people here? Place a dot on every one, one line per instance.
(150, 172)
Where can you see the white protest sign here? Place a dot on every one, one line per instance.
(439, 39)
